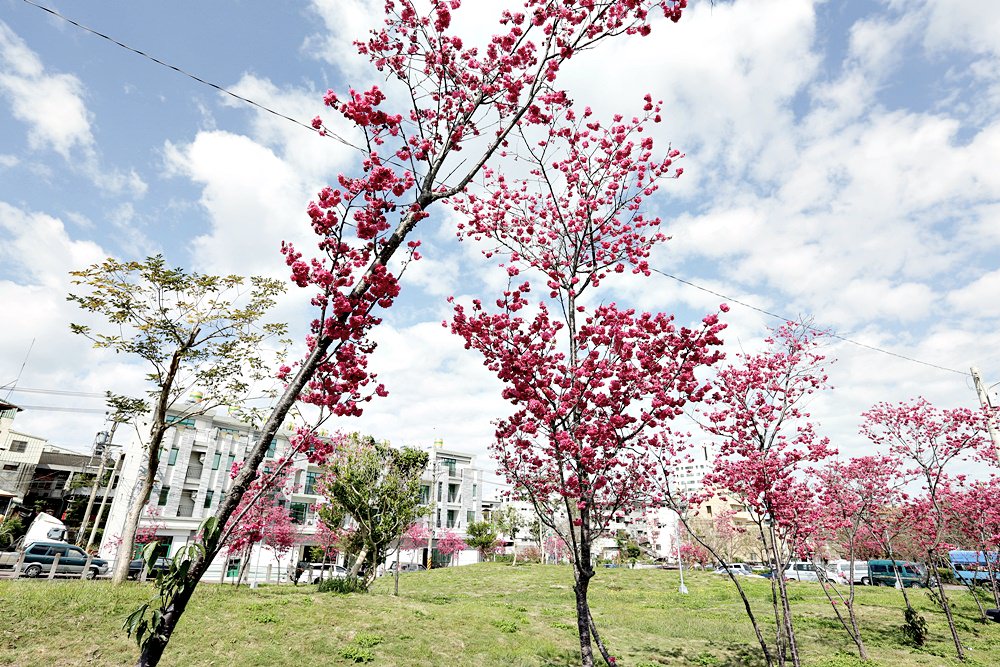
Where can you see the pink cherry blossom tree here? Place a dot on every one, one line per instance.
(450, 545)
(460, 103)
(263, 520)
(766, 443)
(928, 439)
(591, 385)
(974, 509)
(416, 537)
(852, 493)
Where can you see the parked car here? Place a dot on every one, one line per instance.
(973, 567)
(319, 571)
(406, 567)
(135, 567)
(803, 570)
(39, 556)
(739, 569)
(882, 573)
(840, 571)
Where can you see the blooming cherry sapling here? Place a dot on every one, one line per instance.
(766, 442)
(927, 439)
(852, 493)
(591, 386)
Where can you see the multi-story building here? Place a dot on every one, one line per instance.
(452, 489)
(37, 475)
(195, 475)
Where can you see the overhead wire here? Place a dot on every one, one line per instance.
(825, 332)
(221, 89)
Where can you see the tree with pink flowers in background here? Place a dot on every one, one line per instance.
(450, 545)
(974, 509)
(852, 493)
(263, 519)
(767, 442)
(590, 384)
(928, 440)
(451, 105)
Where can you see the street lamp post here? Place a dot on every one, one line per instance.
(683, 590)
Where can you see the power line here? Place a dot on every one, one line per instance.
(825, 332)
(53, 408)
(221, 89)
(59, 392)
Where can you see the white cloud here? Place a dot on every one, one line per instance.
(980, 298)
(51, 104)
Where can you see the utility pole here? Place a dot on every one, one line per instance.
(104, 500)
(97, 480)
(984, 400)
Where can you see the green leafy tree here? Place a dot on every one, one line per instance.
(193, 331)
(373, 489)
(481, 535)
(509, 522)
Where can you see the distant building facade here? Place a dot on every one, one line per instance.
(194, 476)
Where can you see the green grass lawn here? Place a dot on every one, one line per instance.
(487, 614)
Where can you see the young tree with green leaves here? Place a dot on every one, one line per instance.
(194, 332)
(375, 489)
(509, 521)
(481, 535)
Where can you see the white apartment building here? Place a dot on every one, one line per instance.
(194, 475)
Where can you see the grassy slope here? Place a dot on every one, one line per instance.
(478, 615)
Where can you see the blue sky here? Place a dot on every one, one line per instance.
(841, 165)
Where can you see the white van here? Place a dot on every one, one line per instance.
(840, 571)
(803, 570)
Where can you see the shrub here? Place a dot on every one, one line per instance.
(342, 586)
(367, 639)
(509, 627)
(914, 627)
(357, 654)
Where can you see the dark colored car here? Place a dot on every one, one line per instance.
(39, 556)
(135, 567)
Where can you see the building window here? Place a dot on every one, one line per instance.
(18, 446)
(425, 494)
(474, 489)
(173, 456)
(470, 516)
(440, 487)
(453, 493)
(233, 567)
(452, 518)
(10, 466)
(439, 518)
(311, 478)
(208, 498)
(174, 421)
(232, 460)
(216, 460)
(298, 512)
(164, 492)
(272, 448)
(450, 465)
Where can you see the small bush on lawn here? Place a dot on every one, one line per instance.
(357, 654)
(342, 586)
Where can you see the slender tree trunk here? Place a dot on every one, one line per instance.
(156, 433)
(739, 589)
(848, 624)
(785, 606)
(583, 619)
(946, 607)
(359, 561)
(863, 652)
(127, 546)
